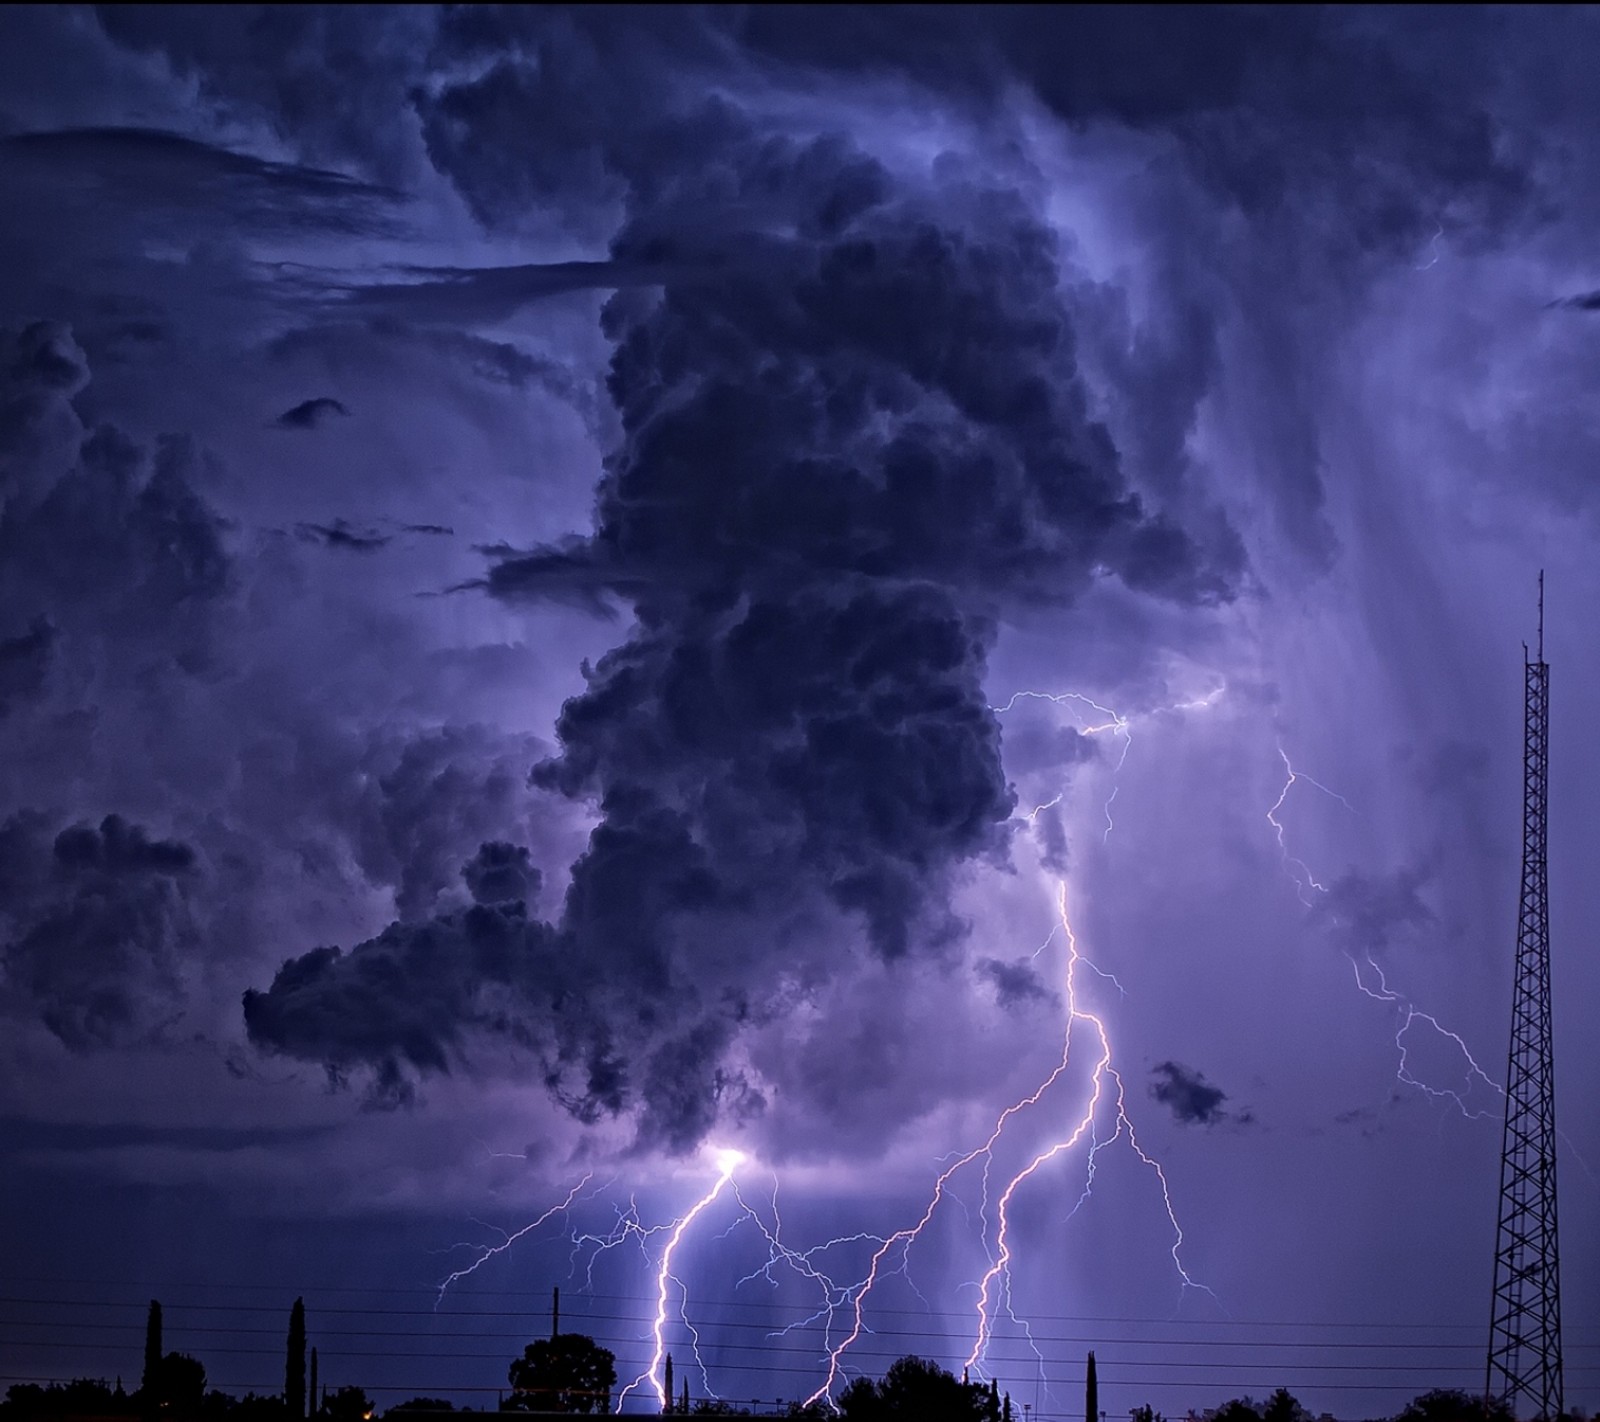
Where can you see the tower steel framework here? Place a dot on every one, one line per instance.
(1524, 1369)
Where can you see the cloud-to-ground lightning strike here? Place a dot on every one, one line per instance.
(903, 1238)
(999, 1268)
(995, 1286)
(1000, 1258)
(727, 1162)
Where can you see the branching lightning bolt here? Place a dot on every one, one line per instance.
(1305, 882)
(998, 1272)
(1297, 869)
(1116, 725)
(890, 1254)
(999, 1269)
(510, 1239)
(727, 1162)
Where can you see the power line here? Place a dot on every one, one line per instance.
(703, 1303)
(136, 1329)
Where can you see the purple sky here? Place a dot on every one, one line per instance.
(574, 586)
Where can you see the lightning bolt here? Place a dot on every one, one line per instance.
(1116, 724)
(1433, 248)
(999, 1268)
(1113, 723)
(1297, 869)
(727, 1162)
(890, 1255)
(802, 1262)
(509, 1240)
(901, 1240)
(1408, 1014)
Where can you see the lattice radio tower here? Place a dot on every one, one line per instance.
(1525, 1326)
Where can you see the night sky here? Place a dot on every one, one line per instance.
(579, 589)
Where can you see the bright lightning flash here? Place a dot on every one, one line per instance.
(727, 1162)
(999, 1269)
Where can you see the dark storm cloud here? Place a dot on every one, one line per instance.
(24, 662)
(340, 534)
(455, 295)
(413, 996)
(96, 927)
(840, 457)
(854, 431)
(1586, 301)
(117, 847)
(407, 993)
(1271, 105)
(1187, 1094)
(41, 369)
(337, 79)
(1015, 984)
(309, 414)
(121, 545)
(107, 540)
(157, 171)
(1346, 144)
(501, 873)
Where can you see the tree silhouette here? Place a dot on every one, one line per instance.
(349, 1404)
(567, 1373)
(180, 1384)
(294, 1368)
(1448, 1404)
(1284, 1406)
(83, 1397)
(919, 1389)
(152, 1349)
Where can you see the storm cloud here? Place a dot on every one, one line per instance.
(915, 478)
(308, 414)
(838, 461)
(1187, 1094)
(98, 925)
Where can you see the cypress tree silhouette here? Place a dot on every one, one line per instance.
(312, 1404)
(1091, 1393)
(294, 1369)
(666, 1405)
(152, 1351)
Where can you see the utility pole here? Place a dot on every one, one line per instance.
(1524, 1370)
